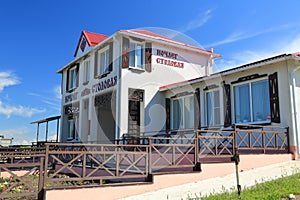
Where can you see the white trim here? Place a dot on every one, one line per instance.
(142, 44)
(86, 73)
(70, 78)
(101, 69)
(294, 109)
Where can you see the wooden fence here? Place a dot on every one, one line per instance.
(26, 171)
(21, 172)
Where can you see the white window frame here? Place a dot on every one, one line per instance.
(71, 136)
(135, 66)
(250, 100)
(102, 70)
(213, 107)
(86, 71)
(182, 121)
(72, 82)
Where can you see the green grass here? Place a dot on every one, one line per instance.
(275, 189)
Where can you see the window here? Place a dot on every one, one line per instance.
(72, 78)
(183, 113)
(71, 129)
(213, 109)
(252, 102)
(103, 61)
(72, 113)
(136, 58)
(86, 77)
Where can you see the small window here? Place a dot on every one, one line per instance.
(72, 78)
(136, 59)
(71, 129)
(252, 102)
(103, 61)
(86, 77)
(213, 109)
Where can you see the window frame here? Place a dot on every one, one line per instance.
(72, 81)
(249, 83)
(86, 71)
(71, 136)
(100, 69)
(135, 43)
(182, 125)
(213, 107)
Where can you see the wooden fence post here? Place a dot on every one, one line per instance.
(41, 178)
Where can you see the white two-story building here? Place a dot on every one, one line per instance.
(112, 86)
(137, 82)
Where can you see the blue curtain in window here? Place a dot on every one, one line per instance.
(176, 114)
(188, 112)
(260, 101)
(209, 108)
(132, 55)
(242, 104)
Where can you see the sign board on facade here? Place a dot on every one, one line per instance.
(168, 58)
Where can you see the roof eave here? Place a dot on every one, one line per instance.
(179, 44)
(231, 71)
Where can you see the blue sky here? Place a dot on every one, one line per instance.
(40, 36)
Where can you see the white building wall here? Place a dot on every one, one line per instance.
(85, 91)
(193, 64)
(161, 74)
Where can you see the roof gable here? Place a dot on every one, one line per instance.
(87, 40)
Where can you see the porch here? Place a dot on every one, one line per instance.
(133, 159)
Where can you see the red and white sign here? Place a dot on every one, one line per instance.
(169, 58)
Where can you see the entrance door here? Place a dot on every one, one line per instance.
(134, 117)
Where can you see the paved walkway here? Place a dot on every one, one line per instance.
(217, 185)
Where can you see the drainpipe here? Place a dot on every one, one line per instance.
(117, 66)
(210, 63)
(294, 111)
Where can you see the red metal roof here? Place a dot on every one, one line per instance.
(156, 36)
(93, 38)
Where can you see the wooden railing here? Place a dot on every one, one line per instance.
(95, 163)
(261, 139)
(171, 153)
(69, 165)
(21, 172)
(214, 143)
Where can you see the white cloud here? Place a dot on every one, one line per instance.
(57, 92)
(54, 100)
(13, 132)
(242, 35)
(18, 135)
(290, 44)
(7, 79)
(18, 110)
(197, 22)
